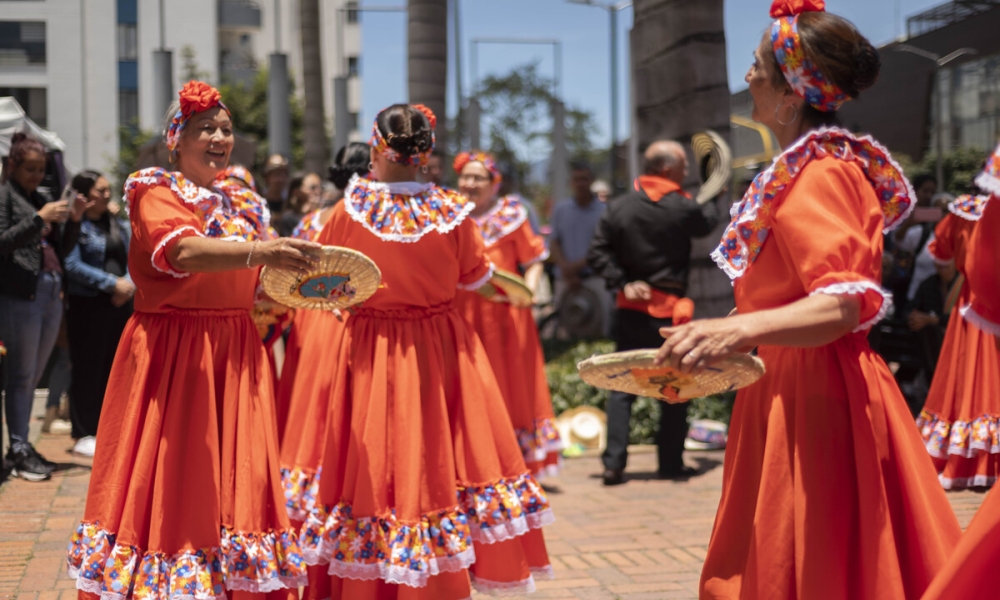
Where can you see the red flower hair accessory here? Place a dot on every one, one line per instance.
(195, 97)
(431, 117)
(485, 159)
(381, 145)
(790, 8)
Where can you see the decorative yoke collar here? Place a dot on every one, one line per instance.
(404, 212)
(506, 216)
(751, 217)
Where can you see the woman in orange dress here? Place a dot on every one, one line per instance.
(351, 160)
(971, 569)
(509, 333)
(185, 498)
(423, 482)
(827, 490)
(305, 376)
(960, 419)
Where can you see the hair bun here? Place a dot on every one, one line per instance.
(867, 64)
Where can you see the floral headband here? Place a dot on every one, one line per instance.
(487, 161)
(381, 145)
(195, 97)
(802, 75)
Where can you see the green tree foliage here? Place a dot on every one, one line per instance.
(190, 69)
(130, 143)
(248, 105)
(960, 166)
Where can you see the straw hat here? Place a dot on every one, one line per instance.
(715, 164)
(633, 372)
(504, 286)
(583, 425)
(341, 278)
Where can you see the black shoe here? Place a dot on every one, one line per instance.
(26, 463)
(681, 473)
(613, 477)
(48, 463)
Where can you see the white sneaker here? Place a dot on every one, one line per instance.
(60, 426)
(85, 446)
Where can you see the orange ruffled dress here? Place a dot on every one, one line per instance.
(827, 490)
(971, 570)
(423, 484)
(960, 421)
(185, 499)
(510, 336)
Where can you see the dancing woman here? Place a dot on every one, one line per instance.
(827, 490)
(423, 482)
(184, 497)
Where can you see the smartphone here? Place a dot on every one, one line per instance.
(69, 195)
(927, 214)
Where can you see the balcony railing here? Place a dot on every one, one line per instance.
(239, 14)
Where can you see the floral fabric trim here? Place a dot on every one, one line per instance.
(751, 217)
(229, 211)
(989, 179)
(301, 490)
(309, 227)
(383, 547)
(968, 207)
(539, 441)
(395, 214)
(852, 288)
(503, 589)
(959, 438)
(502, 220)
(969, 314)
(254, 562)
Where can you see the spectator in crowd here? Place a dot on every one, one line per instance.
(100, 303)
(601, 189)
(275, 183)
(927, 316)
(35, 234)
(305, 193)
(911, 263)
(573, 223)
(642, 248)
(60, 374)
(434, 172)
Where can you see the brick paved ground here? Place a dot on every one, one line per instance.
(644, 540)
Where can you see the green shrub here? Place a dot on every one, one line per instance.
(569, 391)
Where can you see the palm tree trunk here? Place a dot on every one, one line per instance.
(681, 88)
(427, 52)
(314, 122)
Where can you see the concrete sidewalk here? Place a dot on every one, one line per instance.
(644, 540)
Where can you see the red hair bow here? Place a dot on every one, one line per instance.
(197, 96)
(789, 8)
(431, 117)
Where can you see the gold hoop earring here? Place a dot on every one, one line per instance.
(795, 115)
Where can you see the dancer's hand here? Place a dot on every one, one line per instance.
(693, 346)
(286, 253)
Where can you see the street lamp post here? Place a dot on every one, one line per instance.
(613, 14)
(939, 61)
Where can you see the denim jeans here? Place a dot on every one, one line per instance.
(59, 376)
(29, 329)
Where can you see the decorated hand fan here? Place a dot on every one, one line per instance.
(341, 278)
(633, 372)
(504, 286)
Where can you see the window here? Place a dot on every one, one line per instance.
(128, 41)
(352, 12)
(354, 121)
(353, 66)
(128, 108)
(34, 101)
(22, 43)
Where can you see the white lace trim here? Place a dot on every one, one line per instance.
(540, 258)
(405, 188)
(989, 183)
(471, 287)
(961, 483)
(402, 575)
(851, 288)
(153, 176)
(263, 587)
(503, 589)
(940, 261)
(969, 313)
(962, 214)
(159, 249)
(509, 530)
(508, 228)
(544, 573)
(406, 238)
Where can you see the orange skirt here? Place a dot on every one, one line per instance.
(972, 569)
(301, 323)
(184, 496)
(423, 490)
(510, 338)
(827, 491)
(960, 423)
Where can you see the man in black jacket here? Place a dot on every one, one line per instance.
(642, 248)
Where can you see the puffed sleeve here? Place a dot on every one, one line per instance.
(474, 268)
(159, 221)
(829, 226)
(983, 275)
(942, 247)
(529, 245)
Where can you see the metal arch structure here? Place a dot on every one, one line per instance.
(945, 15)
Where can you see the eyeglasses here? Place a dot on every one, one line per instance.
(473, 179)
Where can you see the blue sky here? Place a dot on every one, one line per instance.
(584, 33)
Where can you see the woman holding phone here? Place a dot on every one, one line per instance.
(35, 236)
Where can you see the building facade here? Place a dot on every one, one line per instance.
(83, 68)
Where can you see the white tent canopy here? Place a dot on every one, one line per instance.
(13, 119)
